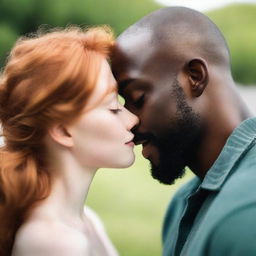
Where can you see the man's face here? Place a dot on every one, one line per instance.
(169, 129)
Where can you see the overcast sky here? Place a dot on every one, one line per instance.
(202, 5)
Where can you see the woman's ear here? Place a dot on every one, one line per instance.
(198, 76)
(60, 134)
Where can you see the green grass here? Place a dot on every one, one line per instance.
(132, 206)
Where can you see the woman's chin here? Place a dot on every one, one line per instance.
(125, 163)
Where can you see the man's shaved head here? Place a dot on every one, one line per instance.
(184, 31)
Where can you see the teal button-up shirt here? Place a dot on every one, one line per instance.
(217, 216)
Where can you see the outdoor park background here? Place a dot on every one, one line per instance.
(129, 201)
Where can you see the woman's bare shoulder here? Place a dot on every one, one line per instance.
(41, 238)
(100, 231)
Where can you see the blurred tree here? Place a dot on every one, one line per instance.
(238, 23)
(7, 37)
(19, 17)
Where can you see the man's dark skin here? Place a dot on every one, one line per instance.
(173, 70)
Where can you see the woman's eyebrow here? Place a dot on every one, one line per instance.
(112, 95)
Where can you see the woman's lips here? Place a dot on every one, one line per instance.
(130, 143)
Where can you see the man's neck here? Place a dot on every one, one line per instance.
(218, 129)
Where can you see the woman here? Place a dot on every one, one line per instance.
(61, 121)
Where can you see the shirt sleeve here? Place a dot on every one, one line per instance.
(235, 235)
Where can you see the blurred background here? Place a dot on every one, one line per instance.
(129, 201)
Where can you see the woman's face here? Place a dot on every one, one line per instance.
(102, 135)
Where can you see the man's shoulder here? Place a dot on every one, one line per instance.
(235, 234)
(239, 187)
(41, 237)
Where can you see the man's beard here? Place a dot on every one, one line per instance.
(178, 145)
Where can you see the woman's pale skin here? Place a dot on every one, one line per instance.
(101, 137)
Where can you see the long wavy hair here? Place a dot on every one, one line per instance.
(48, 78)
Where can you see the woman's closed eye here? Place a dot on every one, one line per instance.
(115, 110)
(115, 107)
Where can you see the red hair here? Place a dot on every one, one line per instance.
(47, 79)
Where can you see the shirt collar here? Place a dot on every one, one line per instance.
(241, 140)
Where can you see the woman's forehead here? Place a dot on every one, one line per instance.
(105, 87)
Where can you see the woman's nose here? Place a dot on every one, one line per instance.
(132, 120)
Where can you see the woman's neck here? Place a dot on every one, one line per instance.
(70, 185)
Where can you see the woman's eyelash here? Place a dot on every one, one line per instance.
(116, 110)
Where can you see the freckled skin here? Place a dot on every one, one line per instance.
(173, 70)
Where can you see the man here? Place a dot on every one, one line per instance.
(173, 70)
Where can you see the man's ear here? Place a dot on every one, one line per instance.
(60, 134)
(198, 76)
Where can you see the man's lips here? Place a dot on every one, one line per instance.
(146, 140)
(146, 146)
(141, 141)
(148, 149)
(142, 138)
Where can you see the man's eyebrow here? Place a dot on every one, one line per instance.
(123, 84)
